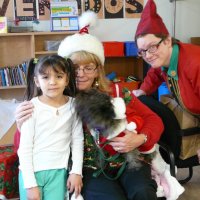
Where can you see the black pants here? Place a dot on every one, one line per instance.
(132, 185)
(170, 135)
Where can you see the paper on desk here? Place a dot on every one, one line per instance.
(7, 119)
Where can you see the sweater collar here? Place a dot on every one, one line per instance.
(173, 66)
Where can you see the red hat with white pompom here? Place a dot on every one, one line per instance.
(83, 41)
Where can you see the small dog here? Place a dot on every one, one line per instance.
(105, 117)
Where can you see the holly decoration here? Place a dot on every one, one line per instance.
(8, 172)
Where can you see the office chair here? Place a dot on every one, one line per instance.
(170, 143)
(178, 162)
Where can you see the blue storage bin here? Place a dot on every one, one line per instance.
(130, 48)
(163, 89)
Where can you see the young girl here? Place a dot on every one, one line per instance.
(52, 129)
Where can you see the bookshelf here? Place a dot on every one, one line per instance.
(16, 48)
(125, 66)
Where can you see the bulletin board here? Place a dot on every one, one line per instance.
(133, 9)
(64, 16)
(44, 9)
(6, 9)
(30, 10)
(114, 9)
(26, 10)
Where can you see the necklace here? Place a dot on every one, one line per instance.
(65, 101)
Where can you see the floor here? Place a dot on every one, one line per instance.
(192, 188)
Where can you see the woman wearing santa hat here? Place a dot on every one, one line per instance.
(175, 63)
(87, 53)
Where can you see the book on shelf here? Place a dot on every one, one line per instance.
(3, 80)
(7, 76)
(12, 76)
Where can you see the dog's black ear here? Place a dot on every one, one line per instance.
(95, 108)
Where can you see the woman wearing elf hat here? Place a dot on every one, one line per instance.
(87, 53)
(175, 63)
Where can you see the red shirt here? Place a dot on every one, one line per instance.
(152, 124)
(188, 70)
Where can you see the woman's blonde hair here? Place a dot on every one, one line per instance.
(85, 57)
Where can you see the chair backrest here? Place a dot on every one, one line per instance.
(190, 142)
(186, 163)
(195, 40)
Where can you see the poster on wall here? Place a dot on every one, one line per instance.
(6, 9)
(96, 6)
(64, 16)
(44, 9)
(114, 9)
(26, 10)
(30, 10)
(79, 3)
(111, 9)
(133, 9)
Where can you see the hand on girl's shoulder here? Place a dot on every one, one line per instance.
(23, 111)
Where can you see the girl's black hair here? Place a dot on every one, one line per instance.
(38, 66)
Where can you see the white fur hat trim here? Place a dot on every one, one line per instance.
(83, 41)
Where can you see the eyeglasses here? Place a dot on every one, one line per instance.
(87, 69)
(151, 49)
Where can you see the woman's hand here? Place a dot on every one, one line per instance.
(128, 142)
(23, 112)
(74, 183)
(139, 92)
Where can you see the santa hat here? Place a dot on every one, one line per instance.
(83, 41)
(151, 22)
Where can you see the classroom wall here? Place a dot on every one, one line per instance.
(124, 29)
(187, 22)
(187, 19)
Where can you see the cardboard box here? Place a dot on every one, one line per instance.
(112, 49)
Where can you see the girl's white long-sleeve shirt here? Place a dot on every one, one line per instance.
(46, 139)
